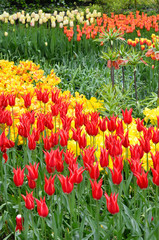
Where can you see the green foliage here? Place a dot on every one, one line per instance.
(115, 100)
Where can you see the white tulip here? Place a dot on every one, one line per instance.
(55, 13)
(61, 25)
(87, 10)
(71, 24)
(53, 24)
(28, 19)
(33, 14)
(40, 12)
(40, 21)
(5, 34)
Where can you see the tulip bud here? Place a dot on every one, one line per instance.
(5, 34)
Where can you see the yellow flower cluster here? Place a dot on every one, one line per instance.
(151, 115)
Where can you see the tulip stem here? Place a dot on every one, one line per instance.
(114, 237)
(155, 147)
(43, 229)
(69, 197)
(78, 208)
(97, 220)
(145, 197)
(25, 150)
(94, 142)
(5, 186)
(148, 176)
(20, 206)
(90, 140)
(147, 161)
(32, 219)
(26, 223)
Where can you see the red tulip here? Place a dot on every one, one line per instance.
(55, 95)
(88, 156)
(155, 137)
(41, 122)
(155, 178)
(64, 108)
(55, 109)
(104, 157)
(92, 128)
(18, 177)
(29, 200)
(33, 171)
(76, 133)
(31, 116)
(2, 139)
(111, 124)
(59, 165)
(19, 223)
(66, 122)
(82, 141)
(31, 183)
(155, 159)
(127, 115)
(125, 139)
(11, 98)
(102, 124)
(46, 141)
(136, 151)
(31, 142)
(27, 100)
(78, 109)
(140, 125)
(119, 128)
(7, 118)
(54, 139)
(118, 162)
(3, 101)
(36, 134)
(112, 204)
(116, 176)
(142, 180)
(64, 137)
(69, 155)
(135, 165)
(115, 148)
(42, 207)
(48, 121)
(78, 175)
(97, 191)
(145, 143)
(148, 132)
(93, 170)
(50, 159)
(79, 120)
(67, 183)
(38, 94)
(45, 96)
(24, 127)
(49, 185)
